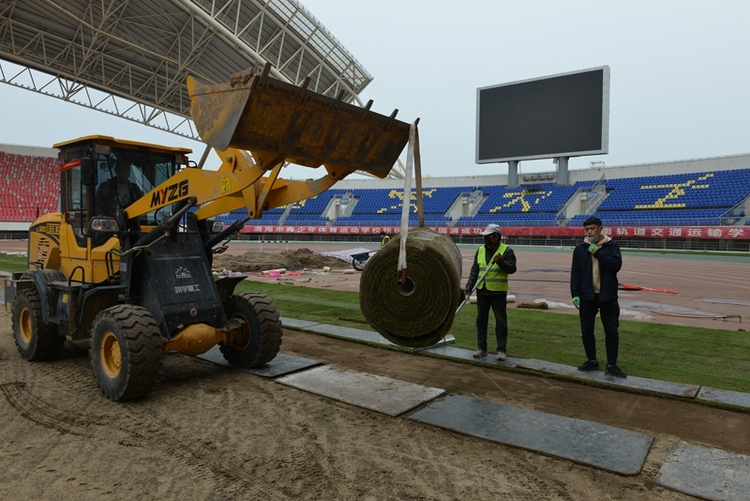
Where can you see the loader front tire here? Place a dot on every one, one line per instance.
(262, 340)
(126, 352)
(35, 339)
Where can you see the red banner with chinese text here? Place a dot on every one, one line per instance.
(708, 232)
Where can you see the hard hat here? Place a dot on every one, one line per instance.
(491, 228)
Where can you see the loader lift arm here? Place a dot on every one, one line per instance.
(238, 183)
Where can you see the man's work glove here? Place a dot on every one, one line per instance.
(577, 302)
(593, 248)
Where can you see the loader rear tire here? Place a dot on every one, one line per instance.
(35, 339)
(127, 352)
(263, 339)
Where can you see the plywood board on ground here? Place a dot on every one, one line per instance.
(639, 383)
(463, 354)
(282, 364)
(725, 396)
(601, 446)
(378, 393)
(706, 473)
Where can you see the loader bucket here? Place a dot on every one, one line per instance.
(261, 114)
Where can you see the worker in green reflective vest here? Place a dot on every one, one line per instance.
(384, 239)
(492, 292)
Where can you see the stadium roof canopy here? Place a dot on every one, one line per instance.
(130, 58)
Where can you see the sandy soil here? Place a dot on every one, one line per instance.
(211, 433)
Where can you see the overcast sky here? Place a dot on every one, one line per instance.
(680, 74)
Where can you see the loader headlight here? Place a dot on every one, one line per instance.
(217, 227)
(105, 225)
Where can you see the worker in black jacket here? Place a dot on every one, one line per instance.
(593, 286)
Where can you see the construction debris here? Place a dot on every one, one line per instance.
(628, 287)
(259, 261)
(534, 306)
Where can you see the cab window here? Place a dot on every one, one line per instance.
(73, 203)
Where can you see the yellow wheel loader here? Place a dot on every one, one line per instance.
(126, 262)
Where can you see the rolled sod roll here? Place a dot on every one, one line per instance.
(421, 311)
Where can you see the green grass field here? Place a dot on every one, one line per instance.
(706, 357)
(12, 263)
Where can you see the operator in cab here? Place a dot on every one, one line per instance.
(117, 192)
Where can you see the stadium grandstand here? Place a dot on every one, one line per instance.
(134, 66)
(699, 204)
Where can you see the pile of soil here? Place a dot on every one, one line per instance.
(292, 260)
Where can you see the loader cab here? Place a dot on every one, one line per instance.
(102, 176)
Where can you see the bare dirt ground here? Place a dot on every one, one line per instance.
(208, 432)
(293, 260)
